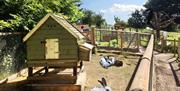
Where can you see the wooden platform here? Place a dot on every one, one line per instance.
(52, 87)
(52, 81)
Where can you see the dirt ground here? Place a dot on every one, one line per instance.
(167, 73)
(117, 77)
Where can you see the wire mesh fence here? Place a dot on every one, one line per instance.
(114, 39)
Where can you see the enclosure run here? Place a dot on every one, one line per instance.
(55, 48)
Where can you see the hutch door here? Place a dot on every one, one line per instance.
(52, 49)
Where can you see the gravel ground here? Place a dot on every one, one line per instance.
(165, 80)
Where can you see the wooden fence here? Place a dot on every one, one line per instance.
(142, 80)
(114, 39)
(166, 45)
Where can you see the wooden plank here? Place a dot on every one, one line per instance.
(93, 35)
(53, 87)
(64, 65)
(61, 59)
(59, 63)
(122, 31)
(143, 75)
(53, 79)
(68, 52)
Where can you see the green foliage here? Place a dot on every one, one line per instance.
(117, 19)
(91, 18)
(119, 22)
(21, 15)
(12, 54)
(171, 7)
(137, 20)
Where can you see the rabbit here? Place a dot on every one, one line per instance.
(104, 86)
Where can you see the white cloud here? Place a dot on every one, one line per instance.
(125, 8)
(103, 11)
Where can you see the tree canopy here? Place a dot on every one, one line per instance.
(170, 7)
(91, 18)
(161, 14)
(21, 15)
(137, 20)
(119, 23)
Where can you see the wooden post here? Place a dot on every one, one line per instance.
(162, 44)
(117, 38)
(46, 69)
(30, 71)
(140, 36)
(137, 40)
(109, 38)
(81, 64)
(179, 47)
(100, 34)
(174, 47)
(93, 35)
(122, 41)
(75, 71)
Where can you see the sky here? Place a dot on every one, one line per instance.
(111, 8)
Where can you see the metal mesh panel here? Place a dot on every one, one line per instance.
(119, 39)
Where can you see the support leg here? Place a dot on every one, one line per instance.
(81, 64)
(46, 69)
(30, 71)
(74, 71)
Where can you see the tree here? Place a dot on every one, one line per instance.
(88, 17)
(117, 19)
(119, 23)
(161, 14)
(169, 6)
(91, 18)
(137, 20)
(20, 15)
(99, 21)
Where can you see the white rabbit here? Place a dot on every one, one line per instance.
(104, 86)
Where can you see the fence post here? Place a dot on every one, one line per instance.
(117, 34)
(109, 37)
(137, 41)
(93, 41)
(179, 47)
(174, 47)
(162, 44)
(93, 35)
(122, 41)
(100, 34)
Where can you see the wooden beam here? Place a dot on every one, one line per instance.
(58, 79)
(46, 69)
(30, 71)
(143, 75)
(93, 36)
(75, 71)
(53, 87)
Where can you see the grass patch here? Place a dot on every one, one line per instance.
(173, 35)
